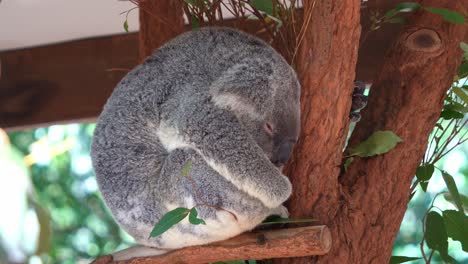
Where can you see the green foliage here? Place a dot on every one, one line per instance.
(424, 174)
(448, 15)
(452, 187)
(169, 220)
(378, 143)
(348, 162)
(186, 168)
(280, 220)
(73, 222)
(394, 15)
(263, 5)
(125, 26)
(193, 217)
(436, 234)
(456, 224)
(401, 259)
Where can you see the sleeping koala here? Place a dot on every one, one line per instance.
(217, 98)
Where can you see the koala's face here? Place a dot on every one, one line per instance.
(278, 131)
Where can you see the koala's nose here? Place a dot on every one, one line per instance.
(283, 153)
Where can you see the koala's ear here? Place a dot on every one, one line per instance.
(244, 87)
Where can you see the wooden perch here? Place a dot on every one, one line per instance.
(282, 243)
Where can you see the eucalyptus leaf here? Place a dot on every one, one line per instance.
(168, 220)
(463, 70)
(397, 20)
(125, 26)
(424, 173)
(456, 224)
(436, 234)
(195, 23)
(193, 217)
(461, 94)
(186, 168)
(378, 143)
(451, 114)
(424, 185)
(401, 259)
(263, 5)
(464, 199)
(448, 15)
(464, 47)
(403, 8)
(281, 220)
(457, 107)
(348, 162)
(452, 187)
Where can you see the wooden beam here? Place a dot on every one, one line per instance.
(63, 82)
(70, 82)
(282, 243)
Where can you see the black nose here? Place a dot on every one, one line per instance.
(283, 153)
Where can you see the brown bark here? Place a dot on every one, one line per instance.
(306, 241)
(160, 21)
(365, 206)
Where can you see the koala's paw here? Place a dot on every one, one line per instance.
(281, 210)
(359, 101)
(278, 191)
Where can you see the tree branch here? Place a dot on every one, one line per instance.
(292, 242)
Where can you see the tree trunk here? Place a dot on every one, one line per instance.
(160, 21)
(364, 207)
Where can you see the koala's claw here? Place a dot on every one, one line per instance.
(359, 101)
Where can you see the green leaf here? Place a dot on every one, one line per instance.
(457, 107)
(190, 2)
(168, 220)
(280, 220)
(125, 26)
(187, 168)
(402, 8)
(348, 162)
(263, 5)
(463, 70)
(464, 199)
(448, 15)
(424, 173)
(439, 126)
(401, 259)
(378, 143)
(424, 185)
(436, 234)
(397, 20)
(195, 23)
(193, 217)
(464, 47)
(452, 187)
(450, 114)
(457, 226)
(461, 94)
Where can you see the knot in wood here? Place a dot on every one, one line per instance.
(425, 40)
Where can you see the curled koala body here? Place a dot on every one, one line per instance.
(220, 99)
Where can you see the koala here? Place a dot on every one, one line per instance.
(219, 99)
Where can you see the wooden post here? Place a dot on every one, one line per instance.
(160, 21)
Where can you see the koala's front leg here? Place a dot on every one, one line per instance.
(220, 139)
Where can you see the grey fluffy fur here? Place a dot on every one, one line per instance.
(204, 98)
